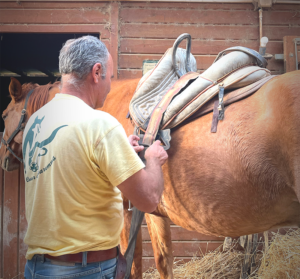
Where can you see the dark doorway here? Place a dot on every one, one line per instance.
(19, 51)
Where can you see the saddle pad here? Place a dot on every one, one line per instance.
(230, 98)
(239, 78)
(156, 83)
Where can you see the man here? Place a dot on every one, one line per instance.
(76, 162)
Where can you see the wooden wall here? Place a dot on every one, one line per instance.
(133, 32)
(148, 29)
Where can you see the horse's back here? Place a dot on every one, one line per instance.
(241, 179)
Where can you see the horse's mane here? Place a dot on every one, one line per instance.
(39, 96)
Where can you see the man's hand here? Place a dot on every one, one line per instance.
(144, 188)
(156, 151)
(134, 142)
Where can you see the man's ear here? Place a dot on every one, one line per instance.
(97, 72)
(15, 89)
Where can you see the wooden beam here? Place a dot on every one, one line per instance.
(33, 73)
(55, 28)
(195, 1)
(114, 36)
(7, 73)
(55, 72)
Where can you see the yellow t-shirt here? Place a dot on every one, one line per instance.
(74, 157)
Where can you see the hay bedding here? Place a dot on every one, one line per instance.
(281, 260)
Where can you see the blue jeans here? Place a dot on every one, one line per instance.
(41, 268)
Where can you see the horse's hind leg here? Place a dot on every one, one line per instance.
(160, 233)
(136, 270)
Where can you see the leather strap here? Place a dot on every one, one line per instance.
(161, 107)
(92, 256)
(18, 129)
(136, 221)
(121, 267)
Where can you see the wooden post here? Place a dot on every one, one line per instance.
(254, 251)
(290, 53)
(266, 238)
(247, 259)
(114, 35)
(227, 243)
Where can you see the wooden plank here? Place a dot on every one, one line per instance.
(129, 74)
(160, 46)
(128, 61)
(10, 224)
(1, 217)
(106, 42)
(55, 5)
(286, 7)
(188, 5)
(139, 15)
(275, 65)
(278, 32)
(185, 248)
(238, 32)
(114, 39)
(22, 222)
(56, 28)
(179, 233)
(281, 17)
(136, 61)
(66, 16)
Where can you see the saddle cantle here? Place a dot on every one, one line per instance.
(157, 82)
(173, 91)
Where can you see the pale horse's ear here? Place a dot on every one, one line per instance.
(15, 89)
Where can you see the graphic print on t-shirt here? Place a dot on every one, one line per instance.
(31, 146)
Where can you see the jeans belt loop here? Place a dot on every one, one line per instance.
(84, 259)
(42, 258)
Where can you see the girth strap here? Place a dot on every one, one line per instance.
(136, 221)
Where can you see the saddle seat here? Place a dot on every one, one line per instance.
(173, 91)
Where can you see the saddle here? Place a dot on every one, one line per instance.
(173, 91)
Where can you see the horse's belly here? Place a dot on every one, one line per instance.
(229, 215)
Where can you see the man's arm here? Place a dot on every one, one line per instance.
(144, 188)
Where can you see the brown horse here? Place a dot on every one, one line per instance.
(242, 180)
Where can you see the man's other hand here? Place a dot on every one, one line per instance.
(134, 142)
(156, 151)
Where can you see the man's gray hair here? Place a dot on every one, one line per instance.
(78, 56)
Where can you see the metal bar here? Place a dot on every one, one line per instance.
(297, 42)
(260, 24)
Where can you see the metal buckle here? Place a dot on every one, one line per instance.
(130, 208)
(23, 111)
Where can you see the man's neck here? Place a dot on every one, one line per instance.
(83, 92)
